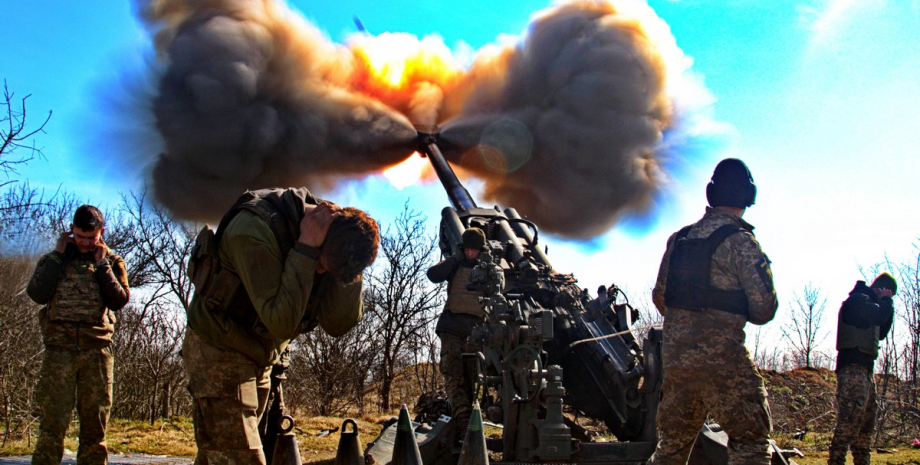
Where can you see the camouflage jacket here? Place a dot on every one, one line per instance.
(738, 263)
(112, 280)
(287, 295)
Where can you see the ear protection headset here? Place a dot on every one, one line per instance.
(731, 185)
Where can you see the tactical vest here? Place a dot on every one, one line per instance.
(220, 288)
(460, 299)
(77, 297)
(851, 337)
(688, 284)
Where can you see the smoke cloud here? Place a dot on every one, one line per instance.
(254, 97)
(584, 93)
(565, 126)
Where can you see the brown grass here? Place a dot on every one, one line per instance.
(175, 437)
(900, 456)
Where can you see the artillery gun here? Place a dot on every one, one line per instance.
(545, 343)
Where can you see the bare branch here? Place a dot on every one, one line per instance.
(17, 143)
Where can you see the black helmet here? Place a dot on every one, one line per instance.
(732, 185)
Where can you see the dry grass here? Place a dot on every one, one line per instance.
(175, 437)
(900, 456)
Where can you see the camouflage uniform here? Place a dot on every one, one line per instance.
(461, 312)
(864, 319)
(707, 369)
(229, 359)
(856, 412)
(452, 349)
(77, 324)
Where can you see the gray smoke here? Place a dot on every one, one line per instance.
(254, 98)
(563, 126)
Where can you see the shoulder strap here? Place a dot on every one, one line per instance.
(719, 235)
(274, 209)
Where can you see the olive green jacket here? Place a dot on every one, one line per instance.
(287, 294)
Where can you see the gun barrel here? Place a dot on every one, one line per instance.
(459, 197)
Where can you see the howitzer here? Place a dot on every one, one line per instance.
(527, 367)
(544, 344)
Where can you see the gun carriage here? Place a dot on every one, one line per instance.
(545, 343)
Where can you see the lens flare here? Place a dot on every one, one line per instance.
(411, 171)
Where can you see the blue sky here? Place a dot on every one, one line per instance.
(820, 97)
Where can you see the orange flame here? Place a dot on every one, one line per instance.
(402, 71)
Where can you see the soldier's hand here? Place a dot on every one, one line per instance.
(65, 238)
(100, 251)
(315, 223)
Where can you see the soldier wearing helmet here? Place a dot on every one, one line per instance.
(714, 278)
(461, 312)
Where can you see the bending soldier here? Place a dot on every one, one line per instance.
(461, 312)
(80, 283)
(713, 279)
(280, 264)
(865, 318)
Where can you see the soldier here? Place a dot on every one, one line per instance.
(284, 262)
(80, 283)
(461, 312)
(713, 279)
(865, 318)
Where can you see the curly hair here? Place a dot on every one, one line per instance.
(351, 244)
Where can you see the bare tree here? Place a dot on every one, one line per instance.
(28, 222)
(157, 247)
(150, 376)
(400, 301)
(803, 330)
(909, 295)
(20, 346)
(17, 144)
(329, 376)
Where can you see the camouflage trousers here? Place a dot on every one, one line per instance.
(229, 394)
(733, 394)
(452, 348)
(67, 378)
(856, 411)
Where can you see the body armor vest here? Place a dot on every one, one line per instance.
(77, 297)
(688, 285)
(852, 337)
(460, 299)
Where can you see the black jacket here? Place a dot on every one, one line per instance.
(863, 309)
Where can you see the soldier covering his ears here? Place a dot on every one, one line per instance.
(81, 283)
(462, 311)
(865, 318)
(281, 263)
